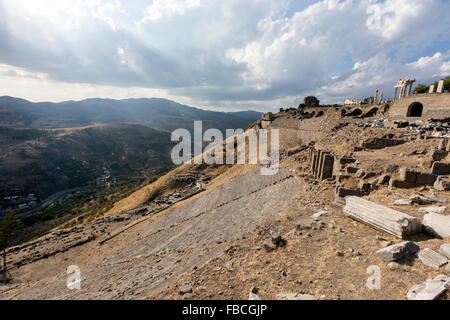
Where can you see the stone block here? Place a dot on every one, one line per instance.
(352, 169)
(382, 180)
(364, 186)
(437, 224)
(397, 251)
(408, 175)
(345, 192)
(430, 289)
(441, 168)
(424, 178)
(438, 155)
(443, 145)
(346, 160)
(395, 183)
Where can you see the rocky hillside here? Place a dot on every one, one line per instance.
(47, 161)
(227, 232)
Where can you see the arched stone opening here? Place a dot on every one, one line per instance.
(355, 113)
(371, 112)
(415, 110)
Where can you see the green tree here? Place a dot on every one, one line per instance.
(9, 228)
(421, 88)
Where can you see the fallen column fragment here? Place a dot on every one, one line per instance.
(432, 259)
(437, 224)
(430, 289)
(381, 218)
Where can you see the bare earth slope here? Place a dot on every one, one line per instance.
(182, 239)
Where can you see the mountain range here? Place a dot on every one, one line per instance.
(159, 113)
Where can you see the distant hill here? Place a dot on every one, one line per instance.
(158, 113)
(43, 161)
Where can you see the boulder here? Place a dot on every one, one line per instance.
(185, 289)
(397, 251)
(393, 266)
(253, 294)
(360, 173)
(304, 224)
(269, 246)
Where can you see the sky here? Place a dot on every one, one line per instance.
(224, 55)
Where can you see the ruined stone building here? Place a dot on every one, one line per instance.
(427, 105)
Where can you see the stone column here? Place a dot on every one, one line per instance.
(431, 90)
(440, 88)
(410, 88)
(402, 92)
(395, 94)
(375, 99)
(381, 98)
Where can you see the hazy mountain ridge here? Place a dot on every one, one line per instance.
(153, 112)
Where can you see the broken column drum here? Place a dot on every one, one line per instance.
(382, 218)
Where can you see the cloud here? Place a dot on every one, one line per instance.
(167, 8)
(226, 54)
(380, 73)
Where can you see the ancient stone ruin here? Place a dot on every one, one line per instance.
(322, 163)
(405, 86)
